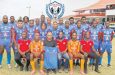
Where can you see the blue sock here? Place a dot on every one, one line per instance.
(8, 58)
(91, 61)
(100, 60)
(1, 56)
(109, 58)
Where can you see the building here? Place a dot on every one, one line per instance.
(98, 9)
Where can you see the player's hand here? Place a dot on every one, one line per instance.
(11, 44)
(85, 54)
(98, 53)
(37, 54)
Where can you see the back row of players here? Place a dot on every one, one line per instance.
(101, 34)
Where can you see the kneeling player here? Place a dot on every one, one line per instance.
(74, 52)
(36, 48)
(23, 52)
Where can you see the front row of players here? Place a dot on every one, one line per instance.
(69, 50)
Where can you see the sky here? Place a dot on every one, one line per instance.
(19, 7)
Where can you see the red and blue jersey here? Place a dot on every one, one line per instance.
(19, 32)
(43, 34)
(31, 31)
(94, 32)
(107, 34)
(67, 32)
(79, 32)
(5, 31)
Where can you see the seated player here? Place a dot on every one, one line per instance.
(36, 48)
(62, 46)
(74, 52)
(50, 42)
(88, 50)
(23, 51)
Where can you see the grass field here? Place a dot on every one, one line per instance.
(104, 69)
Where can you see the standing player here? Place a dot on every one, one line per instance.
(36, 48)
(66, 30)
(23, 51)
(26, 20)
(37, 24)
(55, 29)
(49, 24)
(95, 36)
(43, 20)
(79, 30)
(85, 25)
(5, 40)
(43, 31)
(31, 29)
(12, 21)
(74, 52)
(60, 24)
(107, 42)
(72, 23)
(99, 25)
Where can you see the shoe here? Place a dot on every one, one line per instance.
(54, 71)
(0, 66)
(42, 72)
(97, 71)
(71, 72)
(100, 65)
(66, 70)
(16, 66)
(26, 68)
(21, 68)
(9, 66)
(85, 71)
(90, 65)
(82, 73)
(60, 71)
(108, 65)
(33, 72)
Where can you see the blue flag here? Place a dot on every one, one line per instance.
(50, 57)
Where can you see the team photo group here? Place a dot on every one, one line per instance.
(56, 46)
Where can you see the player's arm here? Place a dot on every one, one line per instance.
(112, 35)
(81, 49)
(93, 49)
(41, 48)
(99, 35)
(12, 36)
(69, 47)
(22, 53)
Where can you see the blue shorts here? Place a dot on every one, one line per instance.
(5, 43)
(106, 46)
(96, 45)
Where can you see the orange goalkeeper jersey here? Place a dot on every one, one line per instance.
(36, 46)
(73, 46)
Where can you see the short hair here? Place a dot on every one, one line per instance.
(11, 16)
(83, 17)
(25, 17)
(71, 18)
(20, 21)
